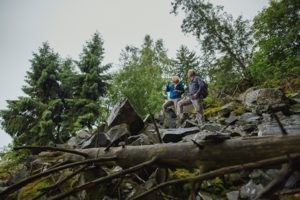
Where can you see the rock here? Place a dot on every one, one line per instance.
(97, 140)
(211, 127)
(295, 109)
(118, 133)
(216, 137)
(233, 179)
(248, 128)
(227, 109)
(231, 120)
(2, 189)
(249, 117)
(265, 100)
(234, 195)
(3, 183)
(293, 180)
(123, 112)
(196, 136)
(291, 125)
(169, 119)
(295, 97)
(138, 140)
(80, 136)
(175, 135)
(151, 133)
(236, 131)
(250, 190)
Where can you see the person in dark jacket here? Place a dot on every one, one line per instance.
(195, 97)
(176, 89)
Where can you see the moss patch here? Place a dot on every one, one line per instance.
(211, 112)
(33, 189)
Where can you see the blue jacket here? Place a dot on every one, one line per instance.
(175, 94)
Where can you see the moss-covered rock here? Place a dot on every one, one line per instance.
(33, 189)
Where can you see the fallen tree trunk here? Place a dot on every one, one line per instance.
(210, 156)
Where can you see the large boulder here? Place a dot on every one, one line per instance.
(176, 134)
(169, 119)
(123, 112)
(227, 109)
(118, 133)
(264, 100)
(80, 137)
(291, 124)
(97, 140)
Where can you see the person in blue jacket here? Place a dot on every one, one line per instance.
(176, 89)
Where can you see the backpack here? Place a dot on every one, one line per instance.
(204, 89)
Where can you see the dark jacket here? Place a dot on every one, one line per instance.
(175, 94)
(195, 86)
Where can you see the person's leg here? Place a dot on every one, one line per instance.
(198, 105)
(180, 105)
(167, 104)
(175, 101)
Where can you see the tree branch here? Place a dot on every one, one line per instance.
(222, 171)
(106, 178)
(276, 184)
(40, 148)
(46, 190)
(30, 179)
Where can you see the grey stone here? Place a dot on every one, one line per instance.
(118, 133)
(264, 100)
(227, 109)
(196, 136)
(140, 139)
(295, 109)
(291, 124)
(249, 117)
(3, 183)
(169, 119)
(123, 112)
(80, 137)
(292, 180)
(3, 188)
(295, 97)
(234, 195)
(97, 140)
(250, 190)
(175, 135)
(248, 128)
(211, 127)
(231, 120)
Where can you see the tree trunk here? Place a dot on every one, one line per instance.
(210, 156)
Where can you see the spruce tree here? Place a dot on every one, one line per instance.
(33, 119)
(91, 83)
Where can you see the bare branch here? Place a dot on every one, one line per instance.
(106, 178)
(276, 184)
(39, 149)
(30, 179)
(222, 171)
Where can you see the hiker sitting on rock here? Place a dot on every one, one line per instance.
(195, 97)
(176, 89)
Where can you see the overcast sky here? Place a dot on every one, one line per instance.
(67, 24)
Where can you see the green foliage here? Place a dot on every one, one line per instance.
(11, 161)
(277, 38)
(60, 99)
(140, 80)
(226, 43)
(185, 60)
(33, 189)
